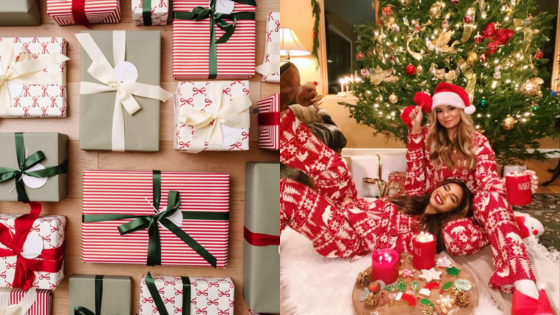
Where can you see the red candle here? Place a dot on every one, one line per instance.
(385, 265)
(518, 187)
(424, 255)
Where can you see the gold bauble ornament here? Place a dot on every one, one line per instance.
(508, 123)
(472, 58)
(532, 87)
(393, 98)
(435, 11)
(420, 69)
(379, 98)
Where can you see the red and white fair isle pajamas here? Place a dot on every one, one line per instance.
(356, 229)
(491, 209)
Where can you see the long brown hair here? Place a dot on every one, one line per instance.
(433, 223)
(442, 148)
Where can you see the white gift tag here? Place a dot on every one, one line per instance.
(224, 6)
(230, 136)
(125, 72)
(15, 88)
(33, 246)
(176, 218)
(34, 182)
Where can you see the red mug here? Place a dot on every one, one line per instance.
(424, 254)
(518, 187)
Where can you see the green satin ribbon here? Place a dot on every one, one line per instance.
(147, 12)
(151, 285)
(7, 173)
(186, 295)
(201, 13)
(150, 222)
(80, 310)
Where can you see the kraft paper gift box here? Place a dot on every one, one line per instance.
(150, 12)
(127, 120)
(36, 72)
(19, 13)
(212, 116)
(269, 122)
(270, 68)
(186, 295)
(19, 153)
(114, 293)
(261, 256)
(32, 302)
(84, 12)
(193, 218)
(228, 53)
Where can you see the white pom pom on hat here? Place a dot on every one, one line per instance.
(449, 94)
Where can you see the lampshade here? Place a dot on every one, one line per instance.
(290, 44)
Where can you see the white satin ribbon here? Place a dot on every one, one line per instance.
(102, 70)
(17, 309)
(233, 115)
(25, 70)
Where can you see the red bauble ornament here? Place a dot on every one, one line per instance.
(410, 70)
(482, 58)
(478, 38)
(360, 55)
(539, 54)
(454, 1)
(391, 58)
(467, 19)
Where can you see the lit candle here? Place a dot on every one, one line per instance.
(385, 266)
(424, 255)
(341, 85)
(518, 187)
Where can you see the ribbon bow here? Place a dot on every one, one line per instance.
(22, 307)
(102, 70)
(207, 125)
(151, 285)
(80, 310)
(259, 239)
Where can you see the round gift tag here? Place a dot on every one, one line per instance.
(176, 218)
(224, 6)
(33, 246)
(34, 182)
(15, 88)
(230, 136)
(125, 72)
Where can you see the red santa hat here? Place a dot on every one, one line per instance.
(449, 94)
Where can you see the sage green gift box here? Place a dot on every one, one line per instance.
(96, 110)
(55, 149)
(115, 297)
(261, 264)
(19, 12)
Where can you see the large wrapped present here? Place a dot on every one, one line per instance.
(212, 116)
(84, 12)
(270, 68)
(32, 302)
(130, 80)
(99, 294)
(166, 295)
(269, 122)
(122, 209)
(33, 166)
(150, 12)
(31, 250)
(261, 256)
(32, 77)
(213, 40)
(19, 13)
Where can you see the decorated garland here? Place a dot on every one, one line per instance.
(316, 14)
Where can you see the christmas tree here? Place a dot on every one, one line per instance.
(490, 48)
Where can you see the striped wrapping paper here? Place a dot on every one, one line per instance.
(130, 192)
(97, 11)
(269, 134)
(42, 306)
(236, 57)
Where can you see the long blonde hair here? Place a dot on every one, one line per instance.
(442, 148)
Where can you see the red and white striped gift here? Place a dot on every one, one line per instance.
(191, 45)
(269, 121)
(42, 306)
(96, 11)
(131, 193)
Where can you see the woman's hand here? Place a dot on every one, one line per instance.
(416, 119)
(534, 180)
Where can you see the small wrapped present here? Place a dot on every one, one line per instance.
(19, 13)
(213, 41)
(33, 166)
(32, 302)
(150, 12)
(269, 122)
(99, 294)
(270, 68)
(212, 116)
(261, 256)
(32, 77)
(132, 81)
(167, 295)
(192, 210)
(397, 183)
(38, 261)
(84, 12)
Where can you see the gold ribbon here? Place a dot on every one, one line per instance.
(17, 309)
(25, 70)
(527, 34)
(468, 28)
(440, 43)
(415, 55)
(441, 75)
(469, 75)
(208, 125)
(383, 76)
(102, 70)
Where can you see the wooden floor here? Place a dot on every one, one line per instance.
(167, 159)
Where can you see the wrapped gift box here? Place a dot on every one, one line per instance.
(93, 12)
(269, 122)
(195, 57)
(11, 298)
(397, 183)
(195, 129)
(158, 12)
(375, 166)
(54, 148)
(261, 255)
(115, 297)
(19, 13)
(209, 296)
(40, 93)
(270, 68)
(204, 207)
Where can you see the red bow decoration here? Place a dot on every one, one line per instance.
(500, 36)
(258, 239)
(50, 260)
